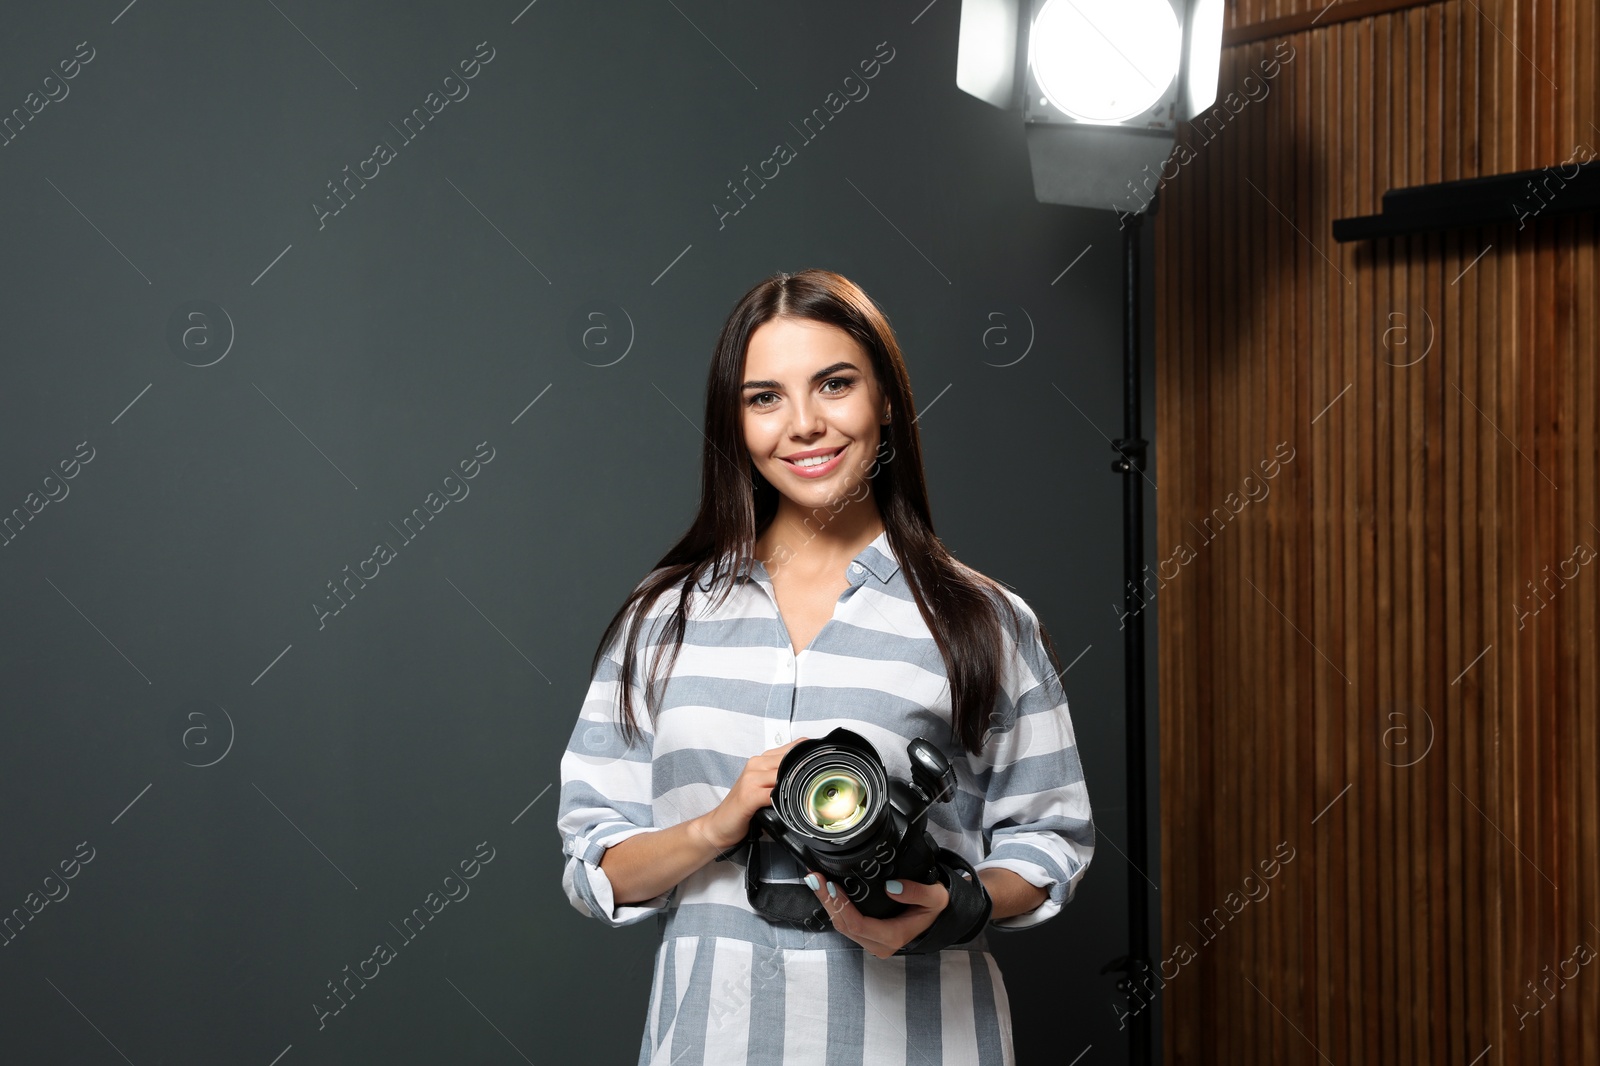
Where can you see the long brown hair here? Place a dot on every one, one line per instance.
(959, 605)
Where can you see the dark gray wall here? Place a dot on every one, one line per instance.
(260, 788)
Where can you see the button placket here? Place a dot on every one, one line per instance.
(781, 727)
(778, 729)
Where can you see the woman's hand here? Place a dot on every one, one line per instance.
(727, 823)
(882, 936)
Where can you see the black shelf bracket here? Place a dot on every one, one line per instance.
(1560, 189)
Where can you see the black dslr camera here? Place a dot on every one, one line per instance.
(835, 809)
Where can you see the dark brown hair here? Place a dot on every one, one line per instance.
(959, 605)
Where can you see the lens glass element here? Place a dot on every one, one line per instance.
(834, 800)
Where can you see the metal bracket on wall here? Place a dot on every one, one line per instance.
(1559, 189)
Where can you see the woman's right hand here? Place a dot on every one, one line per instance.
(727, 823)
(647, 865)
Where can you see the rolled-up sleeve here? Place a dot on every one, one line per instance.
(1036, 817)
(605, 797)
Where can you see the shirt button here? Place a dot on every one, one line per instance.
(855, 568)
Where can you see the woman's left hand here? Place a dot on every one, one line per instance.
(883, 936)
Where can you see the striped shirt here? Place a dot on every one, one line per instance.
(731, 987)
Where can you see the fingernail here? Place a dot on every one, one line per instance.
(813, 882)
(833, 893)
(894, 888)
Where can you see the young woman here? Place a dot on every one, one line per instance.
(809, 593)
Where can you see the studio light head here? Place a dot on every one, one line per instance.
(1101, 84)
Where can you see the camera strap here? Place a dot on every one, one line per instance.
(963, 917)
(776, 901)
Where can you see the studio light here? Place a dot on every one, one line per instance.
(1101, 84)
(1107, 64)
(1204, 55)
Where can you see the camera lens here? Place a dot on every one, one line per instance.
(832, 793)
(834, 799)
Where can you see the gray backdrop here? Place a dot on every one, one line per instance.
(226, 383)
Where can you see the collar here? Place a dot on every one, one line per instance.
(877, 559)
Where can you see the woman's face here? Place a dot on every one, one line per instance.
(809, 389)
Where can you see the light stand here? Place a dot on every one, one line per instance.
(1073, 69)
(1135, 965)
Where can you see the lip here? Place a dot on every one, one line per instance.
(815, 471)
(812, 453)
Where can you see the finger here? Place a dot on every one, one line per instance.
(832, 896)
(882, 938)
(769, 761)
(877, 947)
(847, 919)
(833, 905)
(781, 749)
(917, 894)
(819, 884)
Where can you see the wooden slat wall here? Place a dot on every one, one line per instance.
(1342, 667)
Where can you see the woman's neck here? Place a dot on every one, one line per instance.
(818, 541)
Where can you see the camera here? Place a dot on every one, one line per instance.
(836, 810)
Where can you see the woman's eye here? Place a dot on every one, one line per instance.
(760, 398)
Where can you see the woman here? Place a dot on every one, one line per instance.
(810, 592)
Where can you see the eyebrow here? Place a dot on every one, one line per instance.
(818, 376)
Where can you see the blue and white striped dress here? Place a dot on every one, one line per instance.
(731, 988)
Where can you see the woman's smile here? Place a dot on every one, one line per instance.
(818, 462)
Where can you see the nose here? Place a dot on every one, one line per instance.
(807, 421)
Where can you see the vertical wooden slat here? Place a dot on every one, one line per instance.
(1388, 162)
(1447, 882)
(1444, 475)
(1465, 996)
(1586, 44)
(1297, 488)
(1253, 557)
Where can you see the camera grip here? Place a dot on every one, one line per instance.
(965, 916)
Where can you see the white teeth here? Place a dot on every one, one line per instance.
(816, 460)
